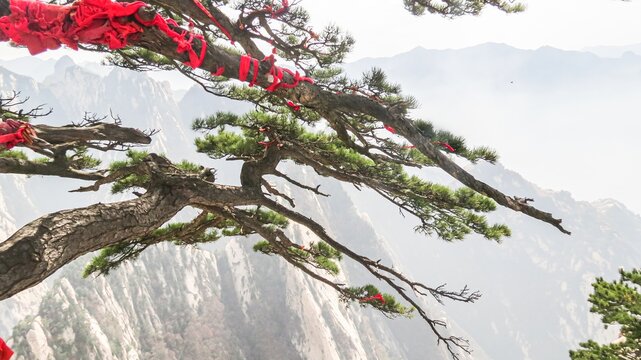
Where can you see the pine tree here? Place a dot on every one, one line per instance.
(307, 112)
(619, 303)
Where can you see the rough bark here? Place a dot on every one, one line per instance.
(40, 248)
(96, 132)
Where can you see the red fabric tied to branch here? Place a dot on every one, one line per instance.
(184, 39)
(213, 19)
(14, 132)
(5, 351)
(446, 146)
(40, 26)
(389, 128)
(377, 297)
(282, 10)
(243, 70)
(292, 105)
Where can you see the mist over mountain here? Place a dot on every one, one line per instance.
(563, 119)
(227, 302)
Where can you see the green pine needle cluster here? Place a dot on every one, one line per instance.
(130, 181)
(450, 214)
(390, 306)
(454, 8)
(13, 154)
(319, 255)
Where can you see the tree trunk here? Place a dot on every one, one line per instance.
(43, 246)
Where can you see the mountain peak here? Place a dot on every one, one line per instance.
(64, 63)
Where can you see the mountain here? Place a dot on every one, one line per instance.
(615, 51)
(224, 301)
(550, 114)
(535, 284)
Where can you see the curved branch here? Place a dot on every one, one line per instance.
(97, 132)
(26, 167)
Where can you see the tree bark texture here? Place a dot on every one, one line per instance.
(43, 246)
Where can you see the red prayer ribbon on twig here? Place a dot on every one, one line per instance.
(377, 297)
(292, 105)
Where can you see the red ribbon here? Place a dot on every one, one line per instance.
(267, 144)
(377, 297)
(281, 11)
(243, 69)
(219, 71)
(445, 145)
(389, 128)
(12, 133)
(40, 26)
(185, 44)
(213, 19)
(292, 105)
(5, 351)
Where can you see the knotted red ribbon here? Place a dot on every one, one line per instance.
(377, 297)
(281, 11)
(184, 39)
(14, 132)
(243, 70)
(40, 26)
(219, 71)
(277, 73)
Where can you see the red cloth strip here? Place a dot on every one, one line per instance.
(281, 11)
(243, 68)
(183, 43)
(445, 145)
(5, 351)
(256, 71)
(377, 297)
(219, 72)
(213, 19)
(267, 144)
(40, 26)
(389, 128)
(246, 62)
(292, 105)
